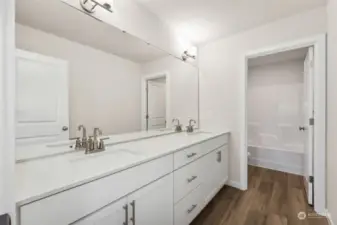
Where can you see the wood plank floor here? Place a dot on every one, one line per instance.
(273, 198)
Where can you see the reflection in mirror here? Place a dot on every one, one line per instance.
(75, 70)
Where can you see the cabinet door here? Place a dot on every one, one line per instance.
(216, 173)
(153, 204)
(113, 214)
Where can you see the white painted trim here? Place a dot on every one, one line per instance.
(235, 184)
(328, 216)
(268, 164)
(319, 44)
(7, 105)
(167, 76)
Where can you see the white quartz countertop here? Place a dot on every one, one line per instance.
(32, 151)
(37, 179)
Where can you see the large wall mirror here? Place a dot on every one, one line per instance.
(74, 70)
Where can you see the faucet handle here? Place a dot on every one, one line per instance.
(78, 144)
(178, 126)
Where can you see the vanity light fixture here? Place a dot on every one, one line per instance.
(90, 5)
(190, 54)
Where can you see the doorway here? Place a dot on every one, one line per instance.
(311, 128)
(155, 92)
(279, 107)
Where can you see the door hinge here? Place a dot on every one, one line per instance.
(311, 121)
(311, 179)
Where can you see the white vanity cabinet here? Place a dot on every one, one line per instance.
(171, 189)
(197, 182)
(150, 205)
(115, 213)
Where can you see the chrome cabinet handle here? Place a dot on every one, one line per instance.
(192, 179)
(191, 209)
(126, 214)
(65, 128)
(191, 155)
(133, 218)
(219, 158)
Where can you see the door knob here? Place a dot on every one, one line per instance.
(65, 128)
(301, 128)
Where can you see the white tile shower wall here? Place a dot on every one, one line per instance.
(104, 88)
(275, 106)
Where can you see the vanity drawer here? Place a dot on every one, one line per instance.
(187, 179)
(73, 204)
(192, 175)
(194, 152)
(189, 207)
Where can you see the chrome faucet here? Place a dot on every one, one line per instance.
(84, 136)
(94, 143)
(178, 125)
(97, 132)
(190, 128)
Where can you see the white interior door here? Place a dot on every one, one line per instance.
(42, 98)
(156, 104)
(308, 126)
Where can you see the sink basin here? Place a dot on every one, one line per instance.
(107, 153)
(198, 132)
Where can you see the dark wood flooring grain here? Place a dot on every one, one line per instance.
(272, 198)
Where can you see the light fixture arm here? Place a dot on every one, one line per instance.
(90, 8)
(186, 55)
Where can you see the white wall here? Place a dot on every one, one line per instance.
(332, 109)
(135, 19)
(222, 65)
(104, 88)
(7, 113)
(275, 111)
(183, 87)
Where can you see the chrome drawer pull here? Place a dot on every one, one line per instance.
(191, 155)
(219, 158)
(192, 179)
(133, 218)
(126, 215)
(191, 209)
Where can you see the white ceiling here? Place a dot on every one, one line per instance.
(201, 21)
(57, 18)
(297, 54)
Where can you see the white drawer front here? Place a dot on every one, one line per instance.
(71, 205)
(189, 207)
(194, 152)
(187, 178)
(190, 176)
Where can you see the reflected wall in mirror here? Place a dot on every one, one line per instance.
(73, 69)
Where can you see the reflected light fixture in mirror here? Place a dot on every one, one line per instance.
(191, 53)
(90, 5)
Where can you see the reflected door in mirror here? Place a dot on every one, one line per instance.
(42, 98)
(156, 104)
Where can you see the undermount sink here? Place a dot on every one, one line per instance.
(106, 153)
(198, 132)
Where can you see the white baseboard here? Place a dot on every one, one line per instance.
(328, 216)
(234, 184)
(284, 161)
(275, 166)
